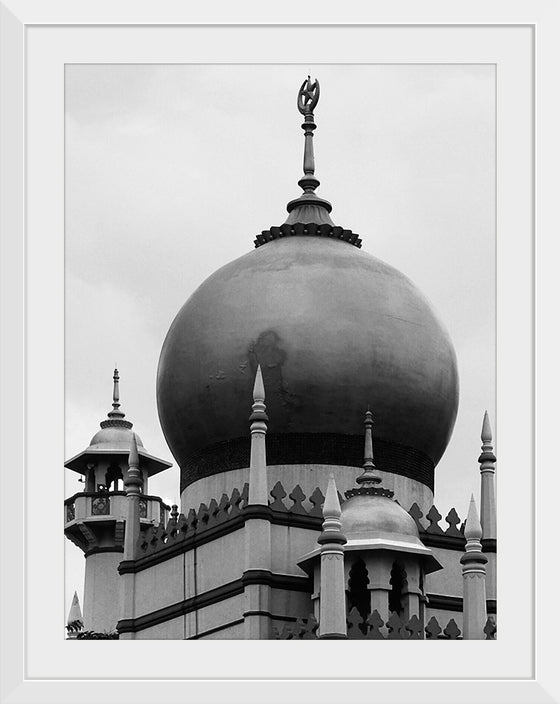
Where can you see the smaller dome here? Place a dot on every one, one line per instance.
(114, 438)
(368, 516)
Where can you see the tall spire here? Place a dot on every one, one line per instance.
(487, 461)
(257, 525)
(258, 490)
(332, 597)
(308, 208)
(473, 563)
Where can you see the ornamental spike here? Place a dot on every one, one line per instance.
(486, 434)
(331, 507)
(75, 613)
(258, 388)
(133, 459)
(473, 529)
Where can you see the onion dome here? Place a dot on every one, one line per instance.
(371, 518)
(331, 327)
(116, 432)
(115, 438)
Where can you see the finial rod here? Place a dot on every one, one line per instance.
(308, 98)
(115, 412)
(309, 208)
(116, 403)
(368, 478)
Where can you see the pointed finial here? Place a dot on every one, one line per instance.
(486, 435)
(331, 506)
(332, 527)
(473, 529)
(133, 459)
(258, 388)
(487, 454)
(309, 208)
(259, 408)
(75, 613)
(368, 478)
(133, 476)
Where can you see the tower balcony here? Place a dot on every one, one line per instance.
(94, 521)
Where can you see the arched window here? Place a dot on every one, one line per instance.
(398, 584)
(358, 592)
(112, 478)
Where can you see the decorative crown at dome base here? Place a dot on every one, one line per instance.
(311, 229)
(369, 491)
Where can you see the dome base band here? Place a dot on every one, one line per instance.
(309, 448)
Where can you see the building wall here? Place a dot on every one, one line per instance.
(289, 544)
(449, 580)
(102, 592)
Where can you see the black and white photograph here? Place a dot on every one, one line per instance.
(280, 352)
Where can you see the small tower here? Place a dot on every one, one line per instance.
(474, 578)
(94, 519)
(257, 525)
(384, 558)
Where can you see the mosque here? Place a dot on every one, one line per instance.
(307, 391)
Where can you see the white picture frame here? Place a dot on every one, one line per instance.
(38, 664)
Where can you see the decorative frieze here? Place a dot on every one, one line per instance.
(294, 508)
(375, 628)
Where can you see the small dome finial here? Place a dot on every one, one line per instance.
(116, 412)
(368, 478)
(309, 208)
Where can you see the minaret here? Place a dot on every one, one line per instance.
(487, 461)
(95, 518)
(257, 526)
(75, 622)
(474, 578)
(332, 597)
(133, 485)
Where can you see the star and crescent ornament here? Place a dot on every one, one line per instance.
(308, 96)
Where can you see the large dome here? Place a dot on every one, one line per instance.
(334, 330)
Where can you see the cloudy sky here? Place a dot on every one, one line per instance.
(171, 171)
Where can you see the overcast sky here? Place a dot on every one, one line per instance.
(171, 171)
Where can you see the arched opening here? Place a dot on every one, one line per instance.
(114, 478)
(358, 592)
(398, 584)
